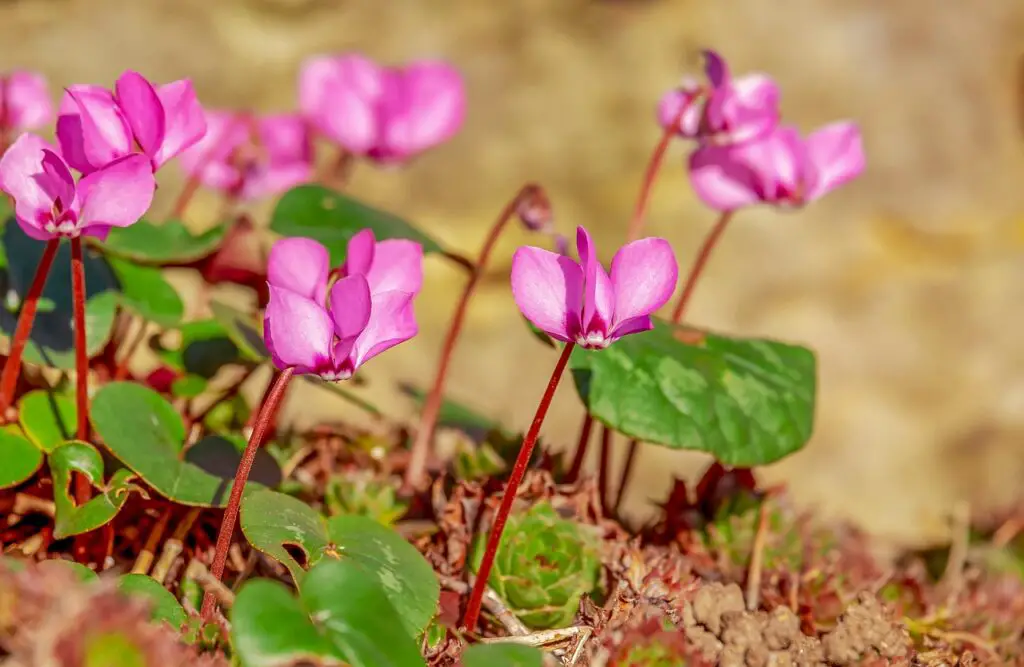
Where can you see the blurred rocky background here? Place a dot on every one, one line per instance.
(909, 283)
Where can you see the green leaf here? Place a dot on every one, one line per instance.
(165, 606)
(71, 519)
(205, 348)
(189, 386)
(242, 330)
(748, 402)
(113, 648)
(270, 628)
(272, 520)
(502, 655)
(167, 243)
(358, 616)
(540, 335)
(51, 342)
(83, 573)
(145, 433)
(19, 458)
(146, 292)
(332, 219)
(47, 418)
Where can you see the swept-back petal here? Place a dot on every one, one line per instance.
(300, 265)
(118, 194)
(105, 134)
(836, 156)
(141, 107)
(184, 120)
(598, 297)
(724, 179)
(360, 253)
(644, 275)
(207, 159)
(27, 100)
(426, 108)
(346, 109)
(548, 289)
(298, 332)
(715, 68)
(286, 138)
(350, 306)
(22, 176)
(687, 99)
(392, 321)
(397, 266)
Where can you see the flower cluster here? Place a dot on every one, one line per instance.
(744, 156)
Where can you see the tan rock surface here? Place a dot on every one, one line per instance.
(909, 283)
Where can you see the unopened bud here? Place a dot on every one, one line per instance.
(534, 209)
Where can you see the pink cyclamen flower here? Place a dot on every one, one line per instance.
(579, 302)
(252, 157)
(782, 169)
(96, 126)
(49, 204)
(333, 331)
(24, 101)
(727, 111)
(388, 114)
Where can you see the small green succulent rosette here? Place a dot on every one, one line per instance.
(544, 565)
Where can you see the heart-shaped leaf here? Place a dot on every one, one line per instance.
(358, 615)
(51, 342)
(332, 219)
(83, 573)
(167, 243)
(242, 330)
(146, 292)
(19, 458)
(271, 520)
(502, 655)
(47, 418)
(145, 433)
(204, 349)
(270, 628)
(165, 606)
(748, 402)
(82, 457)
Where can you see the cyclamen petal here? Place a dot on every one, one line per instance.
(392, 321)
(97, 133)
(143, 110)
(397, 267)
(360, 252)
(22, 176)
(118, 194)
(643, 276)
(428, 109)
(185, 122)
(351, 306)
(300, 265)
(598, 298)
(298, 332)
(548, 289)
(26, 100)
(836, 154)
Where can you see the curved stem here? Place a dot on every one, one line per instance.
(603, 468)
(518, 472)
(581, 449)
(627, 472)
(420, 451)
(710, 241)
(636, 223)
(26, 318)
(227, 524)
(81, 353)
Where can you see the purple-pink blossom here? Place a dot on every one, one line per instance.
(96, 126)
(724, 111)
(782, 169)
(579, 302)
(24, 101)
(331, 331)
(48, 203)
(388, 114)
(251, 157)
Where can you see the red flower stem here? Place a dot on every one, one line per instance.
(710, 241)
(83, 488)
(420, 451)
(227, 524)
(121, 373)
(581, 450)
(254, 417)
(603, 465)
(27, 316)
(633, 232)
(518, 472)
